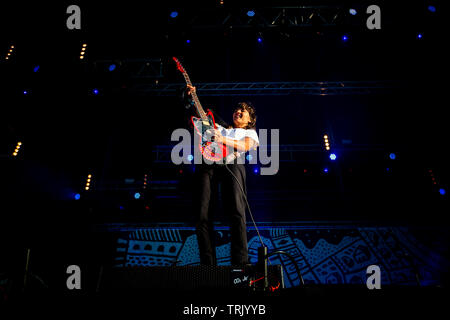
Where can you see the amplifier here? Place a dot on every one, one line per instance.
(189, 277)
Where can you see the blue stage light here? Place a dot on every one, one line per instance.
(190, 157)
(325, 170)
(333, 156)
(174, 14)
(250, 13)
(419, 36)
(392, 156)
(256, 170)
(25, 92)
(95, 91)
(249, 157)
(442, 191)
(259, 39)
(352, 11)
(137, 195)
(77, 196)
(112, 67)
(36, 69)
(188, 41)
(345, 37)
(432, 8)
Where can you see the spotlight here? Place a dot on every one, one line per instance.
(25, 92)
(352, 11)
(255, 170)
(8, 55)
(250, 13)
(137, 195)
(442, 191)
(83, 51)
(36, 69)
(112, 67)
(88, 182)
(145, 181)
(326, 142)
(174, 14)
(333, 156)
(259, 39)
(392, 156)
(345, 37)
(95, 91)
(325, 170)
(77, 196)
(16, 150)
(188, 41)
(432, 8)
(419, 36)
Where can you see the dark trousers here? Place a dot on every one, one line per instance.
(207, 179)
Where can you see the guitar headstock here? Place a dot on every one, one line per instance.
(179, 66)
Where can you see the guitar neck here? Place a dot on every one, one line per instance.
(198, 106)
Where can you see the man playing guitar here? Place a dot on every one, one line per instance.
(239, 138)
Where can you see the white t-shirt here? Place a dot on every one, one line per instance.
(239, 134)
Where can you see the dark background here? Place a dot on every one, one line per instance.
(68, 132)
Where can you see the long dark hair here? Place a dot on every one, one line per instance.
(251, 111)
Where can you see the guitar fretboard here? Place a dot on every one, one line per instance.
(197, 103)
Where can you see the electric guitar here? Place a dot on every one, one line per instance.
(203, 124)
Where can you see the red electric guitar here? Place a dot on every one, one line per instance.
(211, 151)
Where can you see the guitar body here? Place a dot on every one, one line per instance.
(211, 151)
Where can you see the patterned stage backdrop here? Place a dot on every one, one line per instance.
(324, 254)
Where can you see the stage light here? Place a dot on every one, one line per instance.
(432, 8)
(112, 67)
(419, 36)
(250, 13)
(255, 170)
(392, 156)
(325, 170)
(88, 182)
(188, 41)
(83, 51)
(145, 181)
(442, 191)
(77, 196)
(249, 157)
(352, 11)
(259, 39)
(326, 142)
(25, 92)
(345, 37)
(11, 49)
(137, 195)
(333, 156)
(190, 157)
(95, 91)
(174, 14)
(36, 69)
(16, 150)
